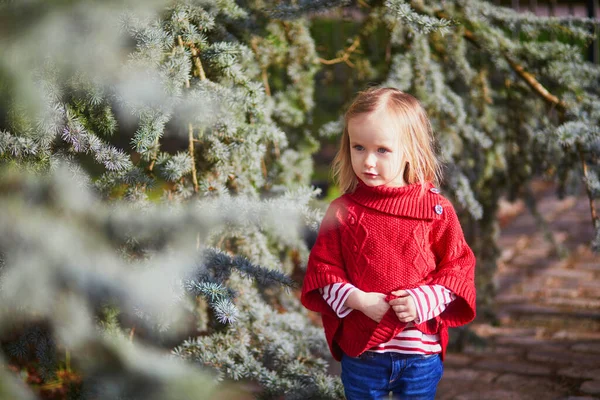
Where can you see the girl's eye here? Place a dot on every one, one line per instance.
(358, 147)
(382, 150)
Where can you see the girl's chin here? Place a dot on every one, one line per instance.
(373, 182)
(377, 181)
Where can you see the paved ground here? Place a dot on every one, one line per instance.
(547, 345)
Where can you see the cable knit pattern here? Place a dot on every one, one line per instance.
(384, 239)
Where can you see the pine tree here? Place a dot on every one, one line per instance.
(173, 109)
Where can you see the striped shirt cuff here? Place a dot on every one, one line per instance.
(336, 295)
(430, 300)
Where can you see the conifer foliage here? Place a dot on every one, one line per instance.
(155, 162)
(155, 206)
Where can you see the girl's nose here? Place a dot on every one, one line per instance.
(370, 160)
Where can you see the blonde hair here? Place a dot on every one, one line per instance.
(414, 133)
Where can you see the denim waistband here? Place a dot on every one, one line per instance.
(392, 354)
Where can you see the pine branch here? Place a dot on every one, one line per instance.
(535, 84)
(191, 153)
(420, 22)
(199, 69)
(584, 167)
(264, 74)
(154, 154)
(191, 128)
(265, 277)
(345, 57)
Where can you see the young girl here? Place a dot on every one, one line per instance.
(390, 271)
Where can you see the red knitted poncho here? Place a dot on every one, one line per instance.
(383, 239)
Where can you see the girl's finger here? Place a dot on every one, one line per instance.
(397, 302)
(401, 293)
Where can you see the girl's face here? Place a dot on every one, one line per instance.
(377, 158)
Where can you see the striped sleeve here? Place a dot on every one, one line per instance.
(335, 295)
(430, 300)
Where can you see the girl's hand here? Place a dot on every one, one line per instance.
(404, 306)
(372, 304)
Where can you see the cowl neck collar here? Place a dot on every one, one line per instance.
(414, 201)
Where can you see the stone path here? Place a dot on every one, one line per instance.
(547, 344)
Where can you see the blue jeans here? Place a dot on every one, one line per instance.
(374, 375)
